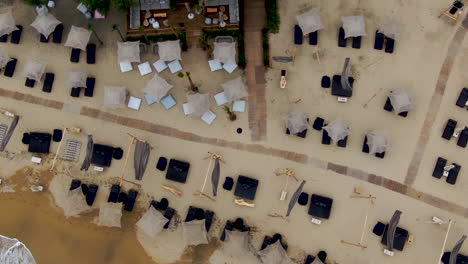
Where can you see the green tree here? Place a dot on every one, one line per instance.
(91, 27)
(35, 2)
(115, 27)
(103, 6)
(122, 5)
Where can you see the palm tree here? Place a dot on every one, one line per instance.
(115, 27)
(91, 27)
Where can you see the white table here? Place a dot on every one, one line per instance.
(168, 102)
(134, 103)
(220, 98)
(175, 66)
(238, 106)
(160, 65)
(187, 109)
(215, 65)
(230, 67)
(126, 67)
(208, 117)
(144, 68)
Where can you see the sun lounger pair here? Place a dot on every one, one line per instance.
(39, 142)
(322, 256)
(381, 40)
(272, 240)
(237, 225)
(389, 107)
(88, 90)
(10, 68)
(365, 149)
(118, 196)
(343, 42)
(462, 98)
(301, 134)
(90, 54)
(451, 175)
(326, 140)
(195, 213)
(299, 36)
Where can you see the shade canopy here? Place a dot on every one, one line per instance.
(337, 130)
(297, 122)
(110, 215)
(275, 254)
(34, 69)
(309, 22)
(7, 23)
(392, 29)
(237, 242)
(392, 225)
(354, 26)
(401, 100)
(12, 251)
(199, 103)
(72, 202)
(128, 51)
(4, 59)
(377, 142)
(235, 89)
(115, 97)
(295, 197)
(195, 232)
(140, 158)
(157, 87)
(169, 50)
(456, 249)
(78, 38)
(77, 77)
(45, 24)
(152, 222)
(225, 52)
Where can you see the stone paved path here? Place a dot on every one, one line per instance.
(254, 20)
(434, 105)
(253, 148)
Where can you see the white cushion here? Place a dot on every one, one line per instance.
(187, 109)
(220, 99)
(168, 102)
(160, 65)
(144, 68)
(175, 66)
(238, 106)
(134, 103)
(208, 117)
(126, 67)
(215, 65)
(229, 67)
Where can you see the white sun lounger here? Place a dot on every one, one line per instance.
(134, 103)
(208, 117)
(238, 106)
(230, 67)
(168, 102)
(144, 68)
(215, 65)
(160, 66)
(126, 67)
(220, 98)
(175, 66)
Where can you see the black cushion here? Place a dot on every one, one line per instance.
(170, 212)
(16, 35)
(26, 138)
(379, 40)
(39, 142)
(84, 188)
(91, 53)
(326, 139)
(266, 242)
(91, 195)
(114, 194)
(123, 197)
(389, 45)
(303, 199)
(326, 82)
(322, 255)
(463, 138)
(43, 39)
(453, 174)
(29, 83)
(461, 259)
(228, 183)
(401, 235)
(4, 38)
(209, 218)
(48, 82)
(57, 135)
(246, 187)
(439, 168)
(379, 229)
(462, 98)
(388, 105)
(10, 68)
(102, 155)
(177, 171)
(318, 123)
(163, 204)
(449, 129)
(298, 35)
(320, 206)
(342, 143)
(75, 184)
(190, 214)
(117, 153)
(162, 164)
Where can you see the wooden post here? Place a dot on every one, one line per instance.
(353, 244)
(365, 222)
(126, 158)
(58, 149)
(445, 241)
(373, 96)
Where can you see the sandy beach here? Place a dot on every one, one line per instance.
(428, 61)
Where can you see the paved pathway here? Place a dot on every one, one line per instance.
(434, 105)
(254, 20)
(253, 148)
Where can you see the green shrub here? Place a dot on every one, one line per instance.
(173, 4)
(35, 2)
(272, 15)
(266, 47)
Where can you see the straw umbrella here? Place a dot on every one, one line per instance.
(297, 122)
(128, 51)
(392, 29)
(354, 26)
(377, 142)
(78, 38)
(199, 103)
(309, 22)
(4, 59)
(34, 69)
(157, 87)
(7, 23)
(45, 24)
(235, 89)
(401, 100)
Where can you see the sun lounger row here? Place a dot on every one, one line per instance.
(450, 171)
(343, 42)
(15, 36)
(299, 36)
(451, 130)
(49, 78)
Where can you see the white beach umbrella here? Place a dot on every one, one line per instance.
(377, 142)
(169, 50)
(354, 26)
(297, 122)
(235, 89)
(78, 38)
(7, 23)
(199, 103)
(128, 51)
(34, 69)
(392, 29)
(337, 130)
(157, 87)
(12, 251)
(77, 77)
(45, 24)
(401, 100)
(309, 22)
(225, 52)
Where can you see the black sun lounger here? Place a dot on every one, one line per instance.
(48, 82)
(91, 53)
(389, 107)
(342, 143)
(357, 42)
(89, 90)
(57, 34)
(246, 187)
(39, 142)
(389, 45)
(10, 68)
(326, 139)
(379, 40)
(342, 42)
(439, 168)
(401, 235)
(195, 213)
(102, 155)
(114, 194)
(75, 55)
(318, 123)
(177, 171)
(130, 203)
(75, 184)
(453, 174)
(320, 206)
(337, 89)
(313, 38)
(16, 35)
(449, 129)
(75, 92)
(91, 194)
(463, 138)
(4, 38)
(29, 83)
(462, 98)
(461, 259)
(298, 36)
